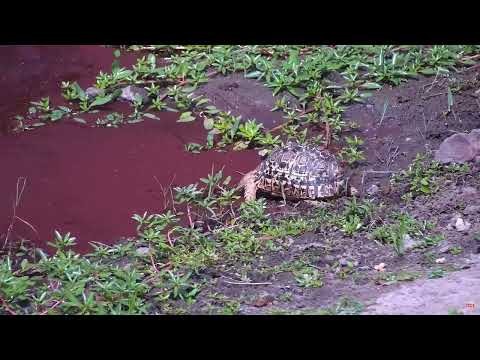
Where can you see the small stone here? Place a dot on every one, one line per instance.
(440, 260)
(329, 258)
(380, 267)
(469, 191)
(130, 92)
(472, 209)
(92, 92)
(456, 149)
(444, 249)
(263, 300)
(343, 262)
(408, 139)
(143, 251)
(462, 225)
(453, 221)
(474, 137)
(409, 243)
(353, 191)
(373, 190)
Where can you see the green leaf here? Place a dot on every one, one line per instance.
(208, 123)
(79, 90)
(152, 59)
(449, 98)
(134, 121)
(371, 86)
(189, 89)
(116, 53)
(32, 110)
(101, 100)
(240, 145)
(151, 116)
(65, 109)
(428, 71)
(186, 117)
(56, 115)
(253, 74)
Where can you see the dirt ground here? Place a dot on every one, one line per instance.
(414, 122)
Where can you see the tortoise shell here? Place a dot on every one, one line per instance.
(300, 171)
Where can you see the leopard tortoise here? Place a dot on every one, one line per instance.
(295, 172)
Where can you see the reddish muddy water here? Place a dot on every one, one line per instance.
(84, 180)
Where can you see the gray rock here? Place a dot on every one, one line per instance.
(93, 92)
(469, 191)
(130, 92)
(472, 209)
(373, 190)
(457, 148)
(409, 243)
(343, 262)
(462, 225)
(474, 137)
(143, 251)
(444, 249)
(329, 258)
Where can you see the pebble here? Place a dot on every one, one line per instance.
(472, 209)
(263, 300)
(92, 92)
(457, 148)
(444, 249)
(469, 191)
(130, 92)
(143, 251)
(373, 190)
(462, 225)
(409, 243)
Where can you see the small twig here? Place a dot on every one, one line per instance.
(153, 262)
(478, 103)
(7, 307)
(247, 283)
(189, 217)
(311, 265)
(433, 95)
(385, 107)
(168, 237)
(58, 302)
(281, 126)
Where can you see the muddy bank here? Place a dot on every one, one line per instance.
(90, 181)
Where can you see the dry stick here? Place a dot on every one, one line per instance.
(18, 197)
(247, 283)
(189, 217)
(7, 307)
(433, 95)
(281, 126)
(168, 237)
(153, 263)
(58, 302)
(478, 103)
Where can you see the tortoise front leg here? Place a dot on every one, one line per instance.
(249, 185)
